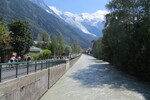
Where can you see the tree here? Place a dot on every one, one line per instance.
(4, 35)
(21, 36)
(68, 50)
(126, 36)
(75, 48)
(45, 41)
(44, 54)
(57, 44)
(61, 44)
(46, 37)
(97, 48)
(39, 41)
(4, 40)
(39, 37)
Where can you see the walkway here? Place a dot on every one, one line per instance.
(92, 79)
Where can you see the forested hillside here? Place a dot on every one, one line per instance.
(39, 20)
(126, 41)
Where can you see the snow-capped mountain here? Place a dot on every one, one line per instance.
(85, 24)
(90, 24)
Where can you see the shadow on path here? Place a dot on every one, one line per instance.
(102, 74)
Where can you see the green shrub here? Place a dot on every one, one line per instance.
(40, 56)
(34, 57)
(44, 54)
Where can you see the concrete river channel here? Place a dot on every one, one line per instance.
(92, 79)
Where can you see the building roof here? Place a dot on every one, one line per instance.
(33, 48)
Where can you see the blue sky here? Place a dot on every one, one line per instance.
(78, 6)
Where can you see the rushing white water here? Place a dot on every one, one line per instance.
(92, 79)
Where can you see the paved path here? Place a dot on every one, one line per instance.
(92, 79)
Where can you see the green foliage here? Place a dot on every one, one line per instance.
(34, 57)
(97, 49)
(127, 37)
(68, 50)
(21, 36)
(4, 35)
(4, 41)
(45, 54)
(43, 40)
(56, 45)
(46, 37)
(75, 48)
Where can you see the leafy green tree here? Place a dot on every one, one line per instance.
(4, 35)
(68, 50)
(57, 44)
(4, 40)
(97, 49)
(53, 47)
(61, 44)
(45, 41)
(21, 36)
(39, 37)
(75, 48)
(126, 39)
(39, 41)
(44, 54)
(46, 37)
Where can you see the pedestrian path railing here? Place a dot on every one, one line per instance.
(14, 70)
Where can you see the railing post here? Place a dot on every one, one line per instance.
(16, 70)
(46, 64)
(41, 65)
(52, 63)
(0, 73)
(35, 66)
(27, 67)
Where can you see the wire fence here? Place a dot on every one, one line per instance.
(15, 70)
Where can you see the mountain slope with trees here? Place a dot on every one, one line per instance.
(39, 20)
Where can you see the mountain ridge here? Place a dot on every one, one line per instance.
(91, 24)
(85, 24)
(39, 20)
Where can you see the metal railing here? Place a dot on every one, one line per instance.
(15, 70)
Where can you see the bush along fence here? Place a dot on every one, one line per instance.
(15, 70)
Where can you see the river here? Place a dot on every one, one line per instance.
(92, 79)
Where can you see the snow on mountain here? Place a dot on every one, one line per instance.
(94, 18)
(42, 4)
(71, 19)
(85, 24)
(79, 21)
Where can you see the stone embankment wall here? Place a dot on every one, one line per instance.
(34, 85)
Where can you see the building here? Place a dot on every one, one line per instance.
(35, 50)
